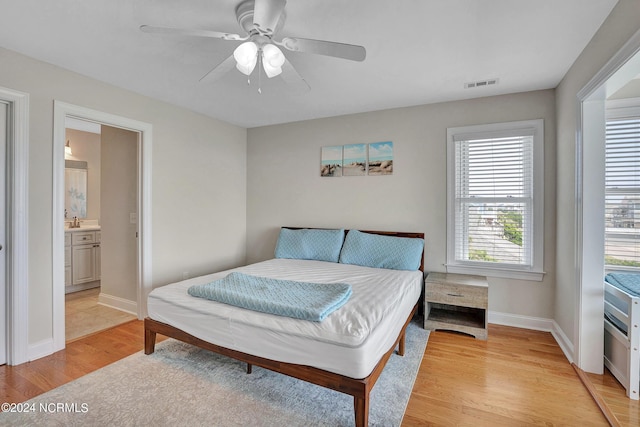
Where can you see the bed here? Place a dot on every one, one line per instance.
(622, 329)
(346, 351)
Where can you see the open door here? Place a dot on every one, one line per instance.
(119, 217)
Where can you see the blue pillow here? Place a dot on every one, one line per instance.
(379, 251)
(310, 243)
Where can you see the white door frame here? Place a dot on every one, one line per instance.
(17, 297)
(60, 111)
(4, 140)
(589, 194)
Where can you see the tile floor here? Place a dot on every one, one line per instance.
(85, 316)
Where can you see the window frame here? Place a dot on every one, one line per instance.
(533, 272)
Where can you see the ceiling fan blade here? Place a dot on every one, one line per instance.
(219, 70)
(266, 14)
(322, 47)
(293, 79)
(193, 33)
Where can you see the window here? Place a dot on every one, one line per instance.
(622, 189)
(495, 200)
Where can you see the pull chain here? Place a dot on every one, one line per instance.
(260, 54)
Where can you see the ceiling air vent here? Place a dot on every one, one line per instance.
(481, 83)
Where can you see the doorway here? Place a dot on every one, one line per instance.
(142, 231)
(101, 201)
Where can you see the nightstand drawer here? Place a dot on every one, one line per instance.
(455, 294)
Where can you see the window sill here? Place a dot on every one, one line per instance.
(534, 276)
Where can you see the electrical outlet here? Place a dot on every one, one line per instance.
(185, 275)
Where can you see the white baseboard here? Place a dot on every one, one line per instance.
(40, 349)
(118, 303)
(536, 324)
(519, 321)
(563, 341)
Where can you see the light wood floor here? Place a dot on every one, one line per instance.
(515, 378)
(84, 316)
(80, 357)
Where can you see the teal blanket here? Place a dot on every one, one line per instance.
(629, 282)
(300, 300)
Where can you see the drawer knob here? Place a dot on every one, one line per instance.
(455, 295)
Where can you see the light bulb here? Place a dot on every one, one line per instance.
(246, 56)
(272, 60)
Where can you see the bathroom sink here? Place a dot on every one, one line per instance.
(88, 225)
(83, 228)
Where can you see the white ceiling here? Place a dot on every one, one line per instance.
(418, 51)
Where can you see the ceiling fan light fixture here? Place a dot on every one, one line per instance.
(261, 21)
(272, 60)
(246, 56)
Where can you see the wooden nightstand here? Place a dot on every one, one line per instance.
(456, 302)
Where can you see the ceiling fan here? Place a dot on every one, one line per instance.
(262, 20)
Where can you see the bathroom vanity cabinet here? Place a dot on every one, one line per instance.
(82, 259)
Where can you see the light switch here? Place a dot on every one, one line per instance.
(133, 218)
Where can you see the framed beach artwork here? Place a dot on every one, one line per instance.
(355, 160)
(331, 161)
(381, 158)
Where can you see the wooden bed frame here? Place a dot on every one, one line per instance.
(358, 388)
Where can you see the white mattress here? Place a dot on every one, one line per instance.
(350, 341)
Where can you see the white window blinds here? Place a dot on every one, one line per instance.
(494, 197)
(622, 193)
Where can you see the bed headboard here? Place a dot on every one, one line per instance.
(384, 233)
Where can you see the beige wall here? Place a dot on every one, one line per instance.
(85, 146)
(198, 174)
(621, 24)
(284, 186)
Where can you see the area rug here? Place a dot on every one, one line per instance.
(182, 385)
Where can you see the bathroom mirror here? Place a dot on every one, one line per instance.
(75, 189)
